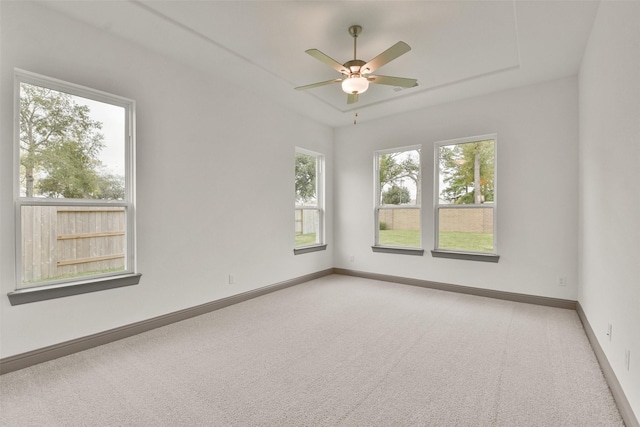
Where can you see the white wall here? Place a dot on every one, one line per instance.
(215, 186)
(537, 181)
(610, 188)
(209, 150)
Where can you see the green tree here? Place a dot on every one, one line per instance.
(305, 178)
(395, 167)
(110, 187)
(70, 172)
(59, 144)
(467, 171)
(396, 195)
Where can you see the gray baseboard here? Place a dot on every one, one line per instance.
(24, 360)
(509, 296)
(624, 407)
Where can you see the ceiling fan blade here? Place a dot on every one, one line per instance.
(393, 81)
(352, 98)
(328, 60)
(385, 57)
(312, 85)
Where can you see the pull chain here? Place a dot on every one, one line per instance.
(355, 119)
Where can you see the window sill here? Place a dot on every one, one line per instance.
(43, 293)
(400, 251)
(308, 249)
(466, 256)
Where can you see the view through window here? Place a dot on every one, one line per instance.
(308, 205)
(398, 199)
(466, 198)
(74, 190)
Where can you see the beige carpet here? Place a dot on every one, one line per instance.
(334, 351)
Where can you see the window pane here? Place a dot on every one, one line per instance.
(60, 242)
(399, 227)
(307, 223)
(70, 147)
(399, 178)
(306, 173)
(466, 173)
(466, 229)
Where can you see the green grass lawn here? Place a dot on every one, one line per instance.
(403, 238)
(71, 276)
(305, 239)
(472, 242)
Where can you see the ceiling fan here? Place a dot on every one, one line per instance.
(356, 74)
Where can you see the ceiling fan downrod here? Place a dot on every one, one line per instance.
(355, 64)
(355, 30)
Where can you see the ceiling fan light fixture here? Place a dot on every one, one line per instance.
(356, 74)
(355, 84)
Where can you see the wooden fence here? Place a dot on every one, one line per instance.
(469, 220)
(399, 219)
(306, 221)
(71, 241)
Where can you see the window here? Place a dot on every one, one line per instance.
(397, 201)
(74, 184)
(309, 215)
(465, 207)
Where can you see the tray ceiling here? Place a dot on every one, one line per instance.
(459, 48)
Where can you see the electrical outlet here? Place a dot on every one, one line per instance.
(232, 279)
(627, 359)
(562, 281)
(609, 331)
(352, 258)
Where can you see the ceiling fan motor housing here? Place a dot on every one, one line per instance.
(354, 65)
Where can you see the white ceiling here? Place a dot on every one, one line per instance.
(459, 48)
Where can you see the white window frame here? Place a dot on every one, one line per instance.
(319, 206)
(82, 284)
(459, 254)
(377, 247)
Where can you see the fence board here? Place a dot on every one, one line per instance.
(89, 235)
(68, 241)
(89, 260)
